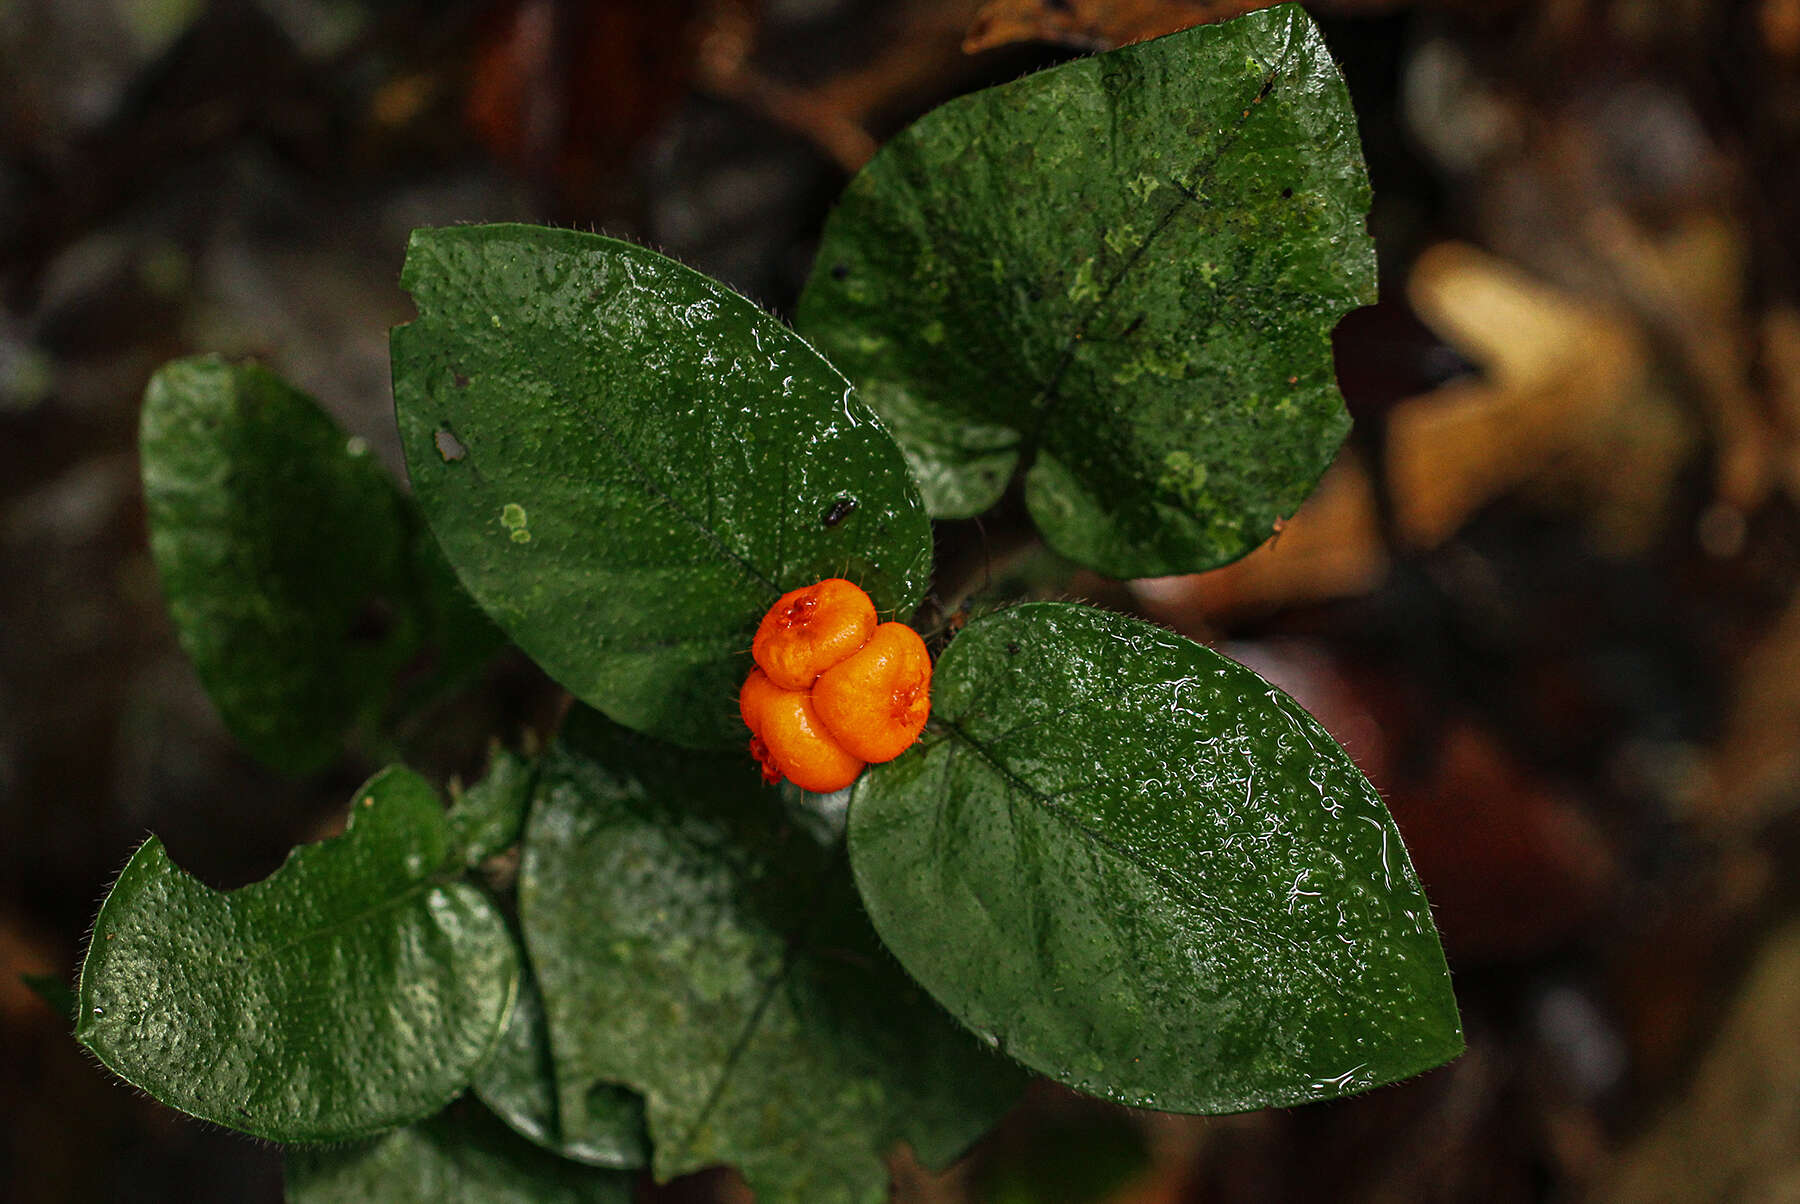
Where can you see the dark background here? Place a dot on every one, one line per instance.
(1547, 596)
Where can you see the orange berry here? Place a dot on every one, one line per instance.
(798, 746)
(757, 693)
(811, 629)
(876, 700)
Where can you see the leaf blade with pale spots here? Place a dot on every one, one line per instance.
(627, 463)
(1121, 274)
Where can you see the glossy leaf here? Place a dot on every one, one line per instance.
(487, 817)
(697, 943)
(298, 578)
(627, 462)
(1122, 274)
(351, 991)
(462, 1156)
(519, 1084)
(1152, 875)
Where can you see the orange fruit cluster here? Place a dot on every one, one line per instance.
(833, 690)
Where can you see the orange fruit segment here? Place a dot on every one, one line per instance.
(757, 693)
(796, 745)
(876, 700)
(809, 630)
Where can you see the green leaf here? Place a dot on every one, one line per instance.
(1122, 273)
(1152, 875)
(696, 943)
(519, 1084)
(351, 991)
(462, 1156)
(487, 817)
(519, 1081)
(627, 463)
(290, 560)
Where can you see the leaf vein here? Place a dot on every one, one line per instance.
(1172, 881)
(705, 529)
(1049, 394)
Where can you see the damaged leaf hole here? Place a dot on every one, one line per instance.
(448, 445)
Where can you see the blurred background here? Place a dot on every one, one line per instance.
(1549, 595)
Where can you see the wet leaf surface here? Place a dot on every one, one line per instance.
(1121, 275)
(461, 1156)
(351, 991)
(1152, 877)
(696, 943)
(627, 462)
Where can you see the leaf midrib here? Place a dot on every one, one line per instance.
(794, 946)
(1046, 400)
(1175, 884)
(391, 903)
(705, 529)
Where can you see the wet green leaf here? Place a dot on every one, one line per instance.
(1121, 273)
(519, 1084)
(461, 1156)
(351, 991)
(296, 573)
(697, 944)
(487, 817)
(627, 462)
(1152, 875)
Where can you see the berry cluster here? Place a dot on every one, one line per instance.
(833, 689)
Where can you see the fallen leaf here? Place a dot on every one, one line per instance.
(1568, 401)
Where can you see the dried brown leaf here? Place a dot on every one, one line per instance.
(1568, 403)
